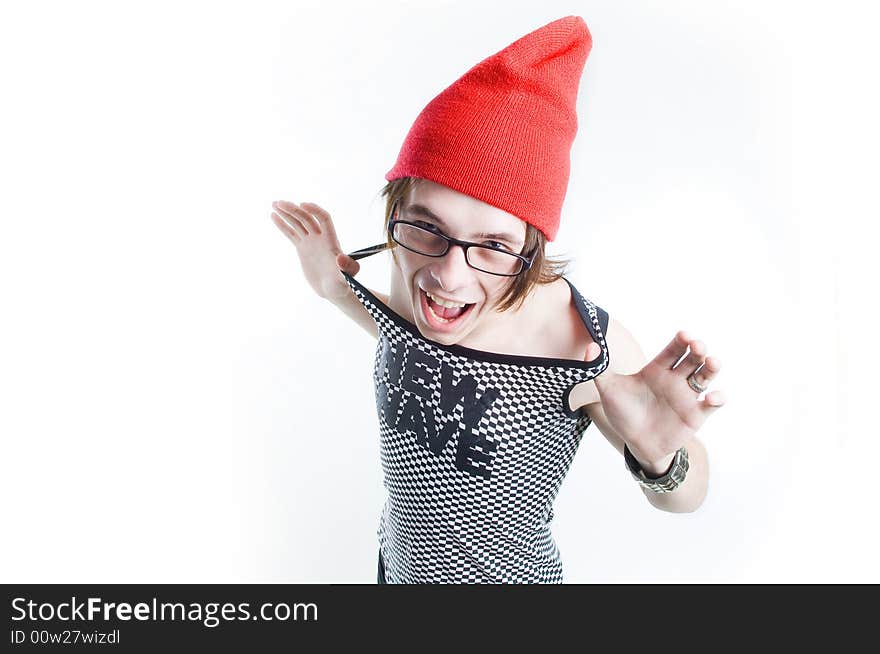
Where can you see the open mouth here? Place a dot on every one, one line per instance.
(441, 314)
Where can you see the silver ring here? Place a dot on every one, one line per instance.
(692, 382)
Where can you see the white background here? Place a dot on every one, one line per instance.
(177, 406)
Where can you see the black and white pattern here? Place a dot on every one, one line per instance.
(474, 447)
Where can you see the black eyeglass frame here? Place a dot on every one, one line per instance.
(464, 245)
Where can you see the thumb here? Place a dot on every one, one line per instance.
(347, 264)
(593, 352)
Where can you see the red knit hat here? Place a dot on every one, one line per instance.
(503, 131)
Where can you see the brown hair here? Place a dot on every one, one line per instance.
(544, 269)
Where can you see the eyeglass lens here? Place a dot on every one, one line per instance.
(429, 243)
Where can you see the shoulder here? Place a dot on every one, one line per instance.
(559, 322)
(625, 358)
(382, 296)
(624, 350)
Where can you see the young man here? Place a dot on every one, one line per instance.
(490, 364)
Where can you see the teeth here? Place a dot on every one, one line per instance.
(446, 303)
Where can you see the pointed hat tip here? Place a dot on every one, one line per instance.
(576, 24)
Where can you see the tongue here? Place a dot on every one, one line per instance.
(448, 313)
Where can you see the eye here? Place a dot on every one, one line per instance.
(429, 226)
(496, 245)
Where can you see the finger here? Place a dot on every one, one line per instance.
(673, 351)
(290, 226)
(322, 215)
(285, 229)
(295, 212)
(347, 264)
(694, 359)
(712, 402)
(307, 213)
(707, 372)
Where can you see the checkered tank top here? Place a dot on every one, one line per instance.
(474, 446)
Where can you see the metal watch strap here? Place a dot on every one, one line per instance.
(673, 478)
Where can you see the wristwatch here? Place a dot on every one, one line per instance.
(672, 479)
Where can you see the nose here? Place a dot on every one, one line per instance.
(451, 271)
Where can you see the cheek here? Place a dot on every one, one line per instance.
(408, 262)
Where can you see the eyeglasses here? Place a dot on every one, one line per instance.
(431, 242)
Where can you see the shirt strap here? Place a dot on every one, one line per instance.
(594, 317)
(370, 302)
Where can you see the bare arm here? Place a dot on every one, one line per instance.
(686, 498)
(311, 230)
(352, 307)
(627, 358)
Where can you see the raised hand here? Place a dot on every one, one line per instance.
(655, 410)
(311, 230)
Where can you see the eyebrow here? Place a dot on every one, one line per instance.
(425, 212)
